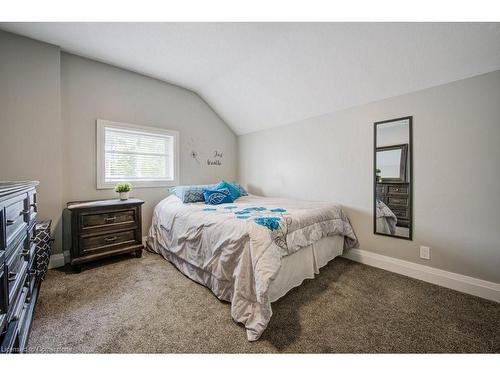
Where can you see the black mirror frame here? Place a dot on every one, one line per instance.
(410, 174)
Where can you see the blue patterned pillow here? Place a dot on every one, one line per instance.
(190, 193)
(218, 196)
(233, 189)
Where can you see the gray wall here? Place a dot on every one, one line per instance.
(49, 103)
(456, 171)
(30, 120)
(92, 90)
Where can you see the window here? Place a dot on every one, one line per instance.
(143, 156)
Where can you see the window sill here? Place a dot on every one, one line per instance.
(138, 184)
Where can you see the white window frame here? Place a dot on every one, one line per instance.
(101, 167)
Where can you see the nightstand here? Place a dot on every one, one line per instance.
(100, 229)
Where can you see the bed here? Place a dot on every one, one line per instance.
(250, 252)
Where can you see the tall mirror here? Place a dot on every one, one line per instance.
(392, 209)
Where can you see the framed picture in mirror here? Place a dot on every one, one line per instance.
(393, 178)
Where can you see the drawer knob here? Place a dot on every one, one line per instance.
(110, 239)
(12, 276)
(25, 212)
(25, 253)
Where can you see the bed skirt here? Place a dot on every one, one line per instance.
(295, 268)
(304, 264)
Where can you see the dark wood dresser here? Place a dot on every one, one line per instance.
(19, 283)
(397, 197)
(103, 228)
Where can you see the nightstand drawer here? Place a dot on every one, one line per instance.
(108, 220)
(106, 242)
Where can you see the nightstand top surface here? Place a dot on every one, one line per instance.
(102, 203)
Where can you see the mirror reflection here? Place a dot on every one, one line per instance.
(392, 181)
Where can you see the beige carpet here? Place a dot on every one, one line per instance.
(146, 305)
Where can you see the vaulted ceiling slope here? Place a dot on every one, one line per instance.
(262, 75)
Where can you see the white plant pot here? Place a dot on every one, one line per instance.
(124, 196)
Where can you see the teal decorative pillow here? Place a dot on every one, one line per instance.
(217, 196)
(190, 193)
(233, 189)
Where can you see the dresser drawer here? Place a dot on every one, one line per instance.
(17, 254)
(107, 242)
(16, 279)
(399, 201)
(396, 189)
(108, 220)
(16, 310)
(15, 214)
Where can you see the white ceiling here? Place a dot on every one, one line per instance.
(261, 75)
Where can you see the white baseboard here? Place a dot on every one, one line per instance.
(462, 283)
(58, 260)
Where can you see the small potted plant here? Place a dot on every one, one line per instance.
(124, 189)
(379, 177)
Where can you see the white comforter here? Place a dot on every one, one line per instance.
(224, 248)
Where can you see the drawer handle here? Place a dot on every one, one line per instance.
(10, 221)
(110, 239)
(25, 212)
(25, 253)
(108, 219)
(12, 276)
(34, 206)
(396, 189)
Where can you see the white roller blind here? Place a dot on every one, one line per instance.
(133, 155)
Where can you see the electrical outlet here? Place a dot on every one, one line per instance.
(425, 252)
